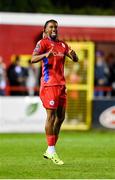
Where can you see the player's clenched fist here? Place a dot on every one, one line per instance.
(73, 55)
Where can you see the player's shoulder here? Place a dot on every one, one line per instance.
(42, 42)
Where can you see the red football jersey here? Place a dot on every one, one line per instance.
(53, 66)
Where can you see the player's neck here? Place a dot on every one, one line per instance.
(53, 39)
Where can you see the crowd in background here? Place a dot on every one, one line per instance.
(18, 80)
(104, 74)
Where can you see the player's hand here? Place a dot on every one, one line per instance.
(49, 53)
(73, 55)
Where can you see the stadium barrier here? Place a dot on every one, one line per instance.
(21, 114)
(26, 113)
(104, 113)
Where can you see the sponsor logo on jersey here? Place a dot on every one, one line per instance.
(107, 118)
(58, 54)
(52, 102)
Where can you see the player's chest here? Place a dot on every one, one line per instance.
(57, 48)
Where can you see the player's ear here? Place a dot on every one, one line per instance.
(46, 31)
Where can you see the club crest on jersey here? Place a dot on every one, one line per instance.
(63, 45)
(52, 102)
(52, 44)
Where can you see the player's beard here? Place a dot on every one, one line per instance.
(53, 36)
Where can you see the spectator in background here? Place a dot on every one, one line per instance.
(2, 77)
(101, 73)
(17, 76)
(31, 79)
(111, 64)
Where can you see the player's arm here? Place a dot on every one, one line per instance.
(38, 57)
(72, 55)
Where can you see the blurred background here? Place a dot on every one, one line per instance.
(89, 28)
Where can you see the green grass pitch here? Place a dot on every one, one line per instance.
(87, 155)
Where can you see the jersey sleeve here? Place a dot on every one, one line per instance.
(40, 47)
